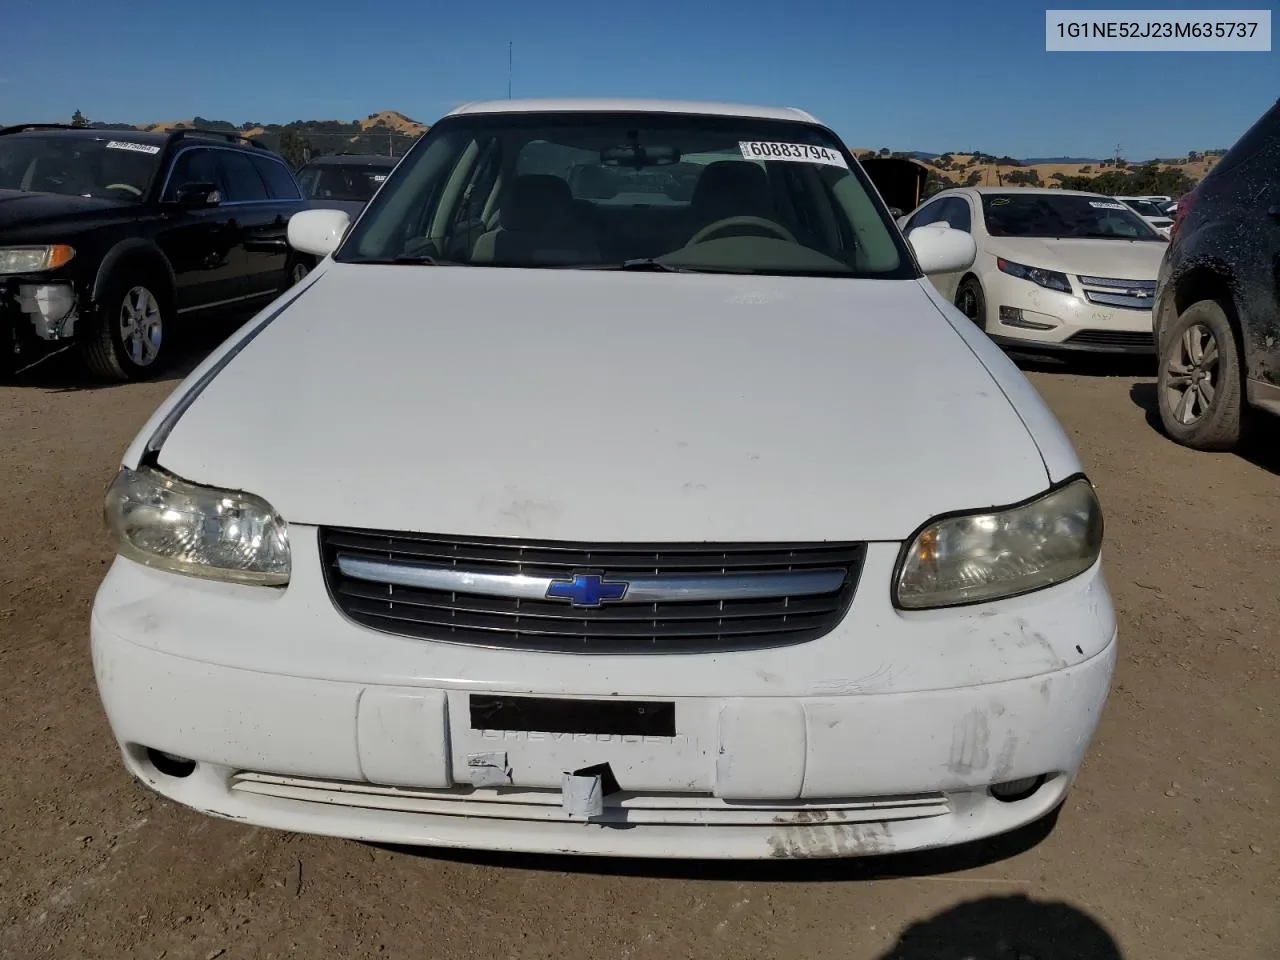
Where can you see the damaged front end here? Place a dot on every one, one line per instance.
(38, 318)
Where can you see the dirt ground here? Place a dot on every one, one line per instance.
(1167, 848)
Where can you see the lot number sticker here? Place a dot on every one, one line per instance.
(793, 152)
(1106, 205)
(135, 147)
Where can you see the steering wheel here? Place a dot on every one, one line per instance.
(712, 229)
(124, 186)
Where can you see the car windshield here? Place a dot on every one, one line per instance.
(659, 191)
(1147, 208)
(1063, 216)
(341, 181)
(110, 167)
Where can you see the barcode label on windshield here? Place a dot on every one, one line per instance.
(1106, 205)
(135, 147)
(793, 152)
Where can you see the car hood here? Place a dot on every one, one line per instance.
(19, 208)
(1118, 259)
(584, 405)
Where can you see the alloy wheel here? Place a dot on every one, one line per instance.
(141, 326)
(1192, 369)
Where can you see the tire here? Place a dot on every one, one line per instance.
(971, 302)
(125, 338)
(1199, 386)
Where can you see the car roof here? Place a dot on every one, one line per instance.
(624, 105)
(92, 133)
(1037, 190)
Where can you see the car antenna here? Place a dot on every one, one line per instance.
(508, 69)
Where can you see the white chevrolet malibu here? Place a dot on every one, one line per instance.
(616, 484)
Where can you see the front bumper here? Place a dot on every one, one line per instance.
(824, 768)
(1068, 321)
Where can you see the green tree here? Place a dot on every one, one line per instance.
(936, 182)
(1028, 178)
(78, 119)
(295, 148)
(973, 179)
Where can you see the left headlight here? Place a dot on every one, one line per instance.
(34, 259)
(168, 523)
(977, 557)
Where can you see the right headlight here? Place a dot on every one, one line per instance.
(165, 522)
(989, 555)
(1049, 279)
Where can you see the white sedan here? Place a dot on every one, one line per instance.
(1056, 270)
(670, 526)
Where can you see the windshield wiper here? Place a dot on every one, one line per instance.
(649, 264)
(424, 259)
(638, 265)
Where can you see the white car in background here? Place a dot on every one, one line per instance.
(591, 541)
(1055, 269)
(1151, 211)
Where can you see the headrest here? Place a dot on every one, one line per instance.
(536, 201)
(732, 188)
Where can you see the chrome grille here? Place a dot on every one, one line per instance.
(717, 596)
(1128, 294)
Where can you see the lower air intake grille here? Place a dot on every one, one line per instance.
(648, 597)
(1116, 339)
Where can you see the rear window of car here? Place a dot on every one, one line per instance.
(240, 177)
(279, 181)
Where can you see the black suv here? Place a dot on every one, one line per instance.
(107, 237)
(1217, 314)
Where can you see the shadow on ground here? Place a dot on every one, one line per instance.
(1087, 364)
(1006, 928)
(64, 372)
(967, 856)
(1260, 446)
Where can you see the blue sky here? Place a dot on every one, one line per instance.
(930, 75)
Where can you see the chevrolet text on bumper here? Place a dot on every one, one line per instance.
(605, 557)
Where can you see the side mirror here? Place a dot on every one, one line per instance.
(196, 196)
(318, 232)
(942, 249)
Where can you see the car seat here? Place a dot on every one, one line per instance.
(537, 225)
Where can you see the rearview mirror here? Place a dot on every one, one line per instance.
(194, 196)
(942, 249)
(317, 232)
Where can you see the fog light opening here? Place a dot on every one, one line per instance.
(170, 764)
(1012, 791)
(1012, 317)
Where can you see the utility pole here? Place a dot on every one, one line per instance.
(1117, 163)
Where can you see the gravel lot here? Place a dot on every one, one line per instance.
(1167, 848)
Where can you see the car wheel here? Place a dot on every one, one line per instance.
(1199, 384)
(971, 302)
(124, 338)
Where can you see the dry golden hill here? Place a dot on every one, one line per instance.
(386, 119)
(396, 121)
(963, 165)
